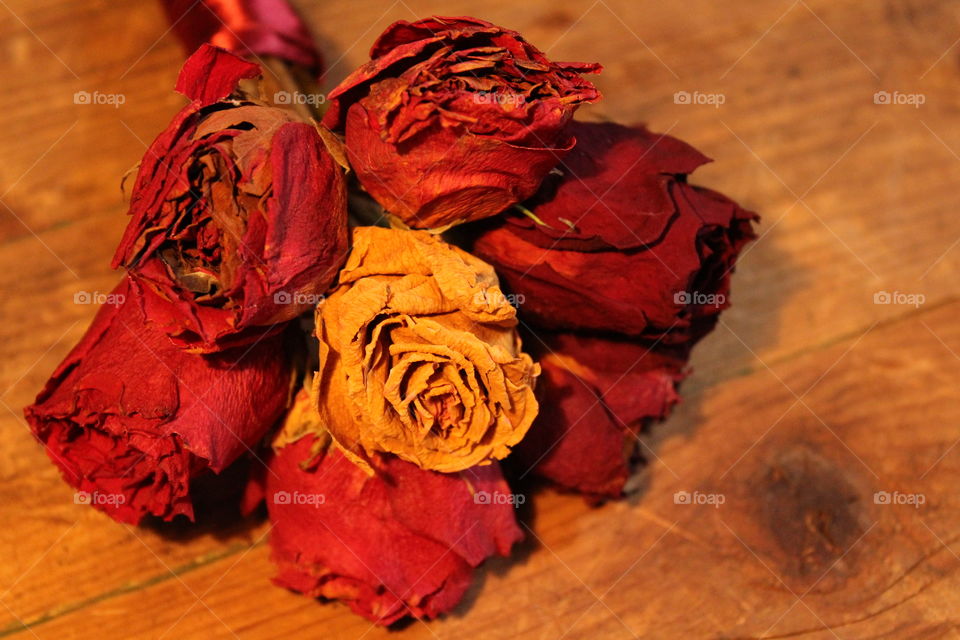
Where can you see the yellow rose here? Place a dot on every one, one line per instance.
(419, 355)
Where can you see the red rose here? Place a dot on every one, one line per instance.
(456, 119)
(132, 421)
(249, 28)
(238, 214)
(596, 394)
(403, 542)
(620, 242)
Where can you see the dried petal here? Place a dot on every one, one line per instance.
(596, 395)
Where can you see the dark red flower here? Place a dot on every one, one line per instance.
(620, 242)
(238, 213)
(596, 394)
(455, 119)
(132, 421)
(403, 542)
(249, 28)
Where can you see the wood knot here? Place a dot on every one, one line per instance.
(808, 515)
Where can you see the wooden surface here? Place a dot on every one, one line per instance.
(804, 403)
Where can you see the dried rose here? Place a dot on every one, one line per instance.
(620, 242)
(596, 395)
(455, 119)
(249, 28)
(419, 355)
(403, 542)
(238, 214)
(132, 421)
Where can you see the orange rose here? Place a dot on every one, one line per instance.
(419, 355)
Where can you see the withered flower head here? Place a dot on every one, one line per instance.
(597, 393)
(455, 119)
(132, 421)
(238, 213)
(401, 542)
(419, 355)
(619, 241)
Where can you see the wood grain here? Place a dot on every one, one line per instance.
(856, 197)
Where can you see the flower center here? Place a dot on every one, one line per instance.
(445, 410)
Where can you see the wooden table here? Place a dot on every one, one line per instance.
(807, 400)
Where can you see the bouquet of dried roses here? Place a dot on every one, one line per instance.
(524, 300)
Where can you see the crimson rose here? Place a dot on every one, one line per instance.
(238, 213)
(596, 394)
(456, 119)
(132, 421)
(403, 542)
(620, 242)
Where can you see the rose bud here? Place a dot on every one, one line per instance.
(238, 214)
(596, 395)
(132, 421)
(620, 242)
(403, 542)
(455, 119)
(249, 28)
(419, 355)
